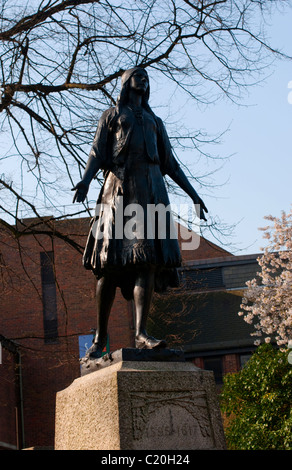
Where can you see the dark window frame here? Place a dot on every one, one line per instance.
(215, 364)
(49, 297)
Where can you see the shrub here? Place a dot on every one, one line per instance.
(257, 402)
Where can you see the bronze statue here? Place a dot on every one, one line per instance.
(132, 148)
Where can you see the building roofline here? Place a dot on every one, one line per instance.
(222, 261)
(220, 347)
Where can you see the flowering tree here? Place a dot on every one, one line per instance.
(267, 302)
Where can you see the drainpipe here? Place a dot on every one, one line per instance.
(20, 385)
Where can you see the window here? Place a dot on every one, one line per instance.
(85, 341)
(49, 297)
(243, 358)
(215, 364)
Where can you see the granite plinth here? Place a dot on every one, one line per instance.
(140, 404)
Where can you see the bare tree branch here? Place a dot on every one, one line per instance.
(60, 63)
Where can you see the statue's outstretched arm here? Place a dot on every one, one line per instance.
(81, 188)
(97, 157)
(182, 181)
(171, 167)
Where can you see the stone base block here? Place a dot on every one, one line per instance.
(140, 405)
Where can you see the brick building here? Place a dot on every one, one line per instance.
(48, 313)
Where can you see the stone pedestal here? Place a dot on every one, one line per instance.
(140, 404)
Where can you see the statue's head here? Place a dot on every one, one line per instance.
(139, 82)
(138, 79)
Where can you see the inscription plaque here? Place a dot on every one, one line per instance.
(174, 416)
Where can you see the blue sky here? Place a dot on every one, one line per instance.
(258, 139)
(256, 180)
(259, 172)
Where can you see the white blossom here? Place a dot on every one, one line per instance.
(267, 302)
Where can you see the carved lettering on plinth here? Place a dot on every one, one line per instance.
(172, 415)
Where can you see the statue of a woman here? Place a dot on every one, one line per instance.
(132, 148)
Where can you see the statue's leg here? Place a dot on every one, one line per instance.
(105, 294)
(143, 293)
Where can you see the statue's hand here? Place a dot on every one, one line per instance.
(81, 189)
(203, 208)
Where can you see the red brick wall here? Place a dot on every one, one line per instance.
(48, 368)
(204, 249)
(230, 363)
(199, 362)
(9, 401)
